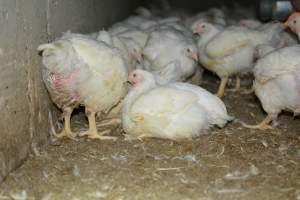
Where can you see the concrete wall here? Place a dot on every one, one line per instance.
(24, 102)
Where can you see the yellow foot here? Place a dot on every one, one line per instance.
(259, 126)
(109, 122)
(96, 135)
(137, 118)
(220, 94)
(67, 134)
(144, 136)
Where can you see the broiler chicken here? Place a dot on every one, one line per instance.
(81, 71)
(173, 111)
(277, 83)
(229, 51)
(170, 55)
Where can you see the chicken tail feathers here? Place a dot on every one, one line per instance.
(43, 47)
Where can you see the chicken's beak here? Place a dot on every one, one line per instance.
(128, 82)
(195, 56)
(140, 57)
(286, 24)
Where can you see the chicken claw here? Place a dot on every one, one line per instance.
(264, 125)
(96, 135)
(66, 132)
(137, 118)
(143, 136)
(92, 132)
(259, 126)
(109, 122)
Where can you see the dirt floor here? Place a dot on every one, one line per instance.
(230, 163)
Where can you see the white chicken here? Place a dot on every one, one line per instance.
(277, 83)
(129, 49)
(173, 111)
(81, 71)
(230, 51)
(170, 55)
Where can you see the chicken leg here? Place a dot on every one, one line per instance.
(264, 124)
(109, 122)
(66, 132)
(222, 87)
(92, 132)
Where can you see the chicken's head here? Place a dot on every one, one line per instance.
(135, 50)
(139, 76)
(202, 27)
(293, 22)
(191, 52)
(137, 54)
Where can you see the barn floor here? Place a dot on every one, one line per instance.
(232, 163)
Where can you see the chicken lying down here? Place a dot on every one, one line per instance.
(277, 83)
(173, 111)
(170, 55)
(129, 49)
(229, 51)
(81, 71)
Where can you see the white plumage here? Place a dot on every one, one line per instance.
(78, 70)
(277, 82)
(173, 111)
(170, 55)
(230, 51)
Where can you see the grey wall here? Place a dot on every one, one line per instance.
(200, 5)
(24, 102)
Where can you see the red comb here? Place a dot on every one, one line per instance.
(293, 15)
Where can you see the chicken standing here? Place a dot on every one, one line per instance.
(229, 51)
(277, 83)
(82, 71)
(173, 111)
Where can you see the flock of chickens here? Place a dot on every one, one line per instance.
(162, 58)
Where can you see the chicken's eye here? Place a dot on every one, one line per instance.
(134, 75)
(188, 50)
(294, 21)
(203, 26)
